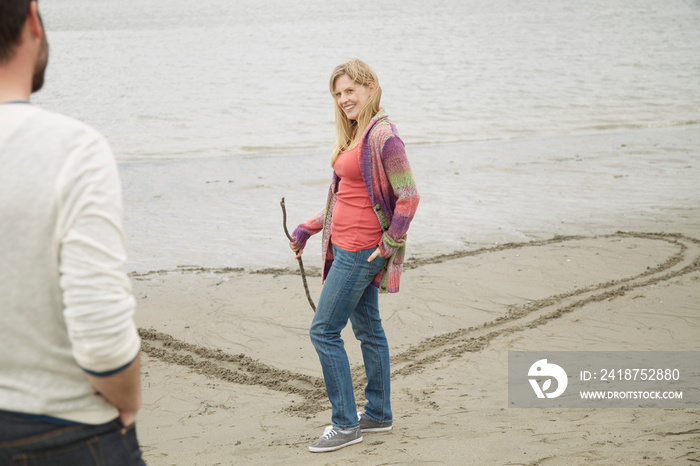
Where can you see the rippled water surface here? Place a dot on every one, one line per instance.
(215, 109)
(176, 78)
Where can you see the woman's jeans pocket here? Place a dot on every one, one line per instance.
(375, 267)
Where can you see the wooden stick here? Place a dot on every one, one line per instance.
(301, 263)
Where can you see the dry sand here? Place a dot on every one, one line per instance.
(230, 376)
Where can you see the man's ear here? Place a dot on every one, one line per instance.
(34, 21)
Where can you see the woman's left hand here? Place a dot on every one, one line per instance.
(298, 252)
(374, 254)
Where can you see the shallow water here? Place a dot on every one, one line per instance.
(518, 116)
(181, 79)
(224, 212)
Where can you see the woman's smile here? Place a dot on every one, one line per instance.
(350, 96)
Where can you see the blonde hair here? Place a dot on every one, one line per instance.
(349, 132)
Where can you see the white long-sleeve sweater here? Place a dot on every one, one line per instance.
(65, 301)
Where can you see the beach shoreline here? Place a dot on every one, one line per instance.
(221, 213)
(230, 376)
(556, 150)
(592, 243)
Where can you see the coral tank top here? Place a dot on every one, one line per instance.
(355, 225)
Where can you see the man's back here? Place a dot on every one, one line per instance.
(69, 345)
(65, 302)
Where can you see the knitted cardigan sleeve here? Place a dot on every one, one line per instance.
(304, 231)
(398, 173)
(395, 197)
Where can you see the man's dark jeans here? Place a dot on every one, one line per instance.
(30, 442)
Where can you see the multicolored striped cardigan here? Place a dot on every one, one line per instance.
(392, 190)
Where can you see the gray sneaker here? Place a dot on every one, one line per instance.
(368, 425)
(335, 439)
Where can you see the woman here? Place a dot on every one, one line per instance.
(371, 202)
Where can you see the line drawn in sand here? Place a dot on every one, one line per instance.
(242, 369)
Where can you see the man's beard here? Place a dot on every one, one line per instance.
(40, 65)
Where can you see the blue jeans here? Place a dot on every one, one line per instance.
(348, 295)
(30, 442)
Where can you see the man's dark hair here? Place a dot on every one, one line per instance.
(13, 14)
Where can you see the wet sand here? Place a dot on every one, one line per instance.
(230, 376)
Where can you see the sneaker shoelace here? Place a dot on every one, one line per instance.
(329, 432)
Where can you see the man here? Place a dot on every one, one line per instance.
(69, 348)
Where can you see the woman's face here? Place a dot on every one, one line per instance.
(350, 96)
